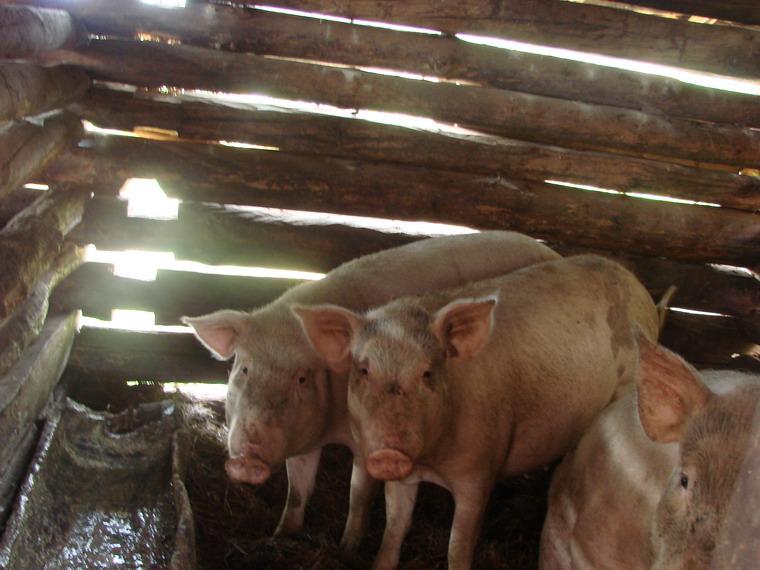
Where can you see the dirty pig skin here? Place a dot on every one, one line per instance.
(284, 405)
(467, 386)
(665, 479)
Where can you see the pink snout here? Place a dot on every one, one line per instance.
(247, 469)
(389, 464)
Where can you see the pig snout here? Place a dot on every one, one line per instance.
(389, 464)
(248, 467)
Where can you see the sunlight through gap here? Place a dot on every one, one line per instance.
(638, 195)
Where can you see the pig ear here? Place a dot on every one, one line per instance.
(670, 391)
(219, 331)
(330, 330)
(463, 326)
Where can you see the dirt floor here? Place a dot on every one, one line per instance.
(234, 522)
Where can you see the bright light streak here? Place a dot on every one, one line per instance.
(129, 319)
(197, 390)
(696, 312)
(235, 144)
(583, 187)
(171, 4)
(101, 324)
(725, 83)
(660, 198)
(402, 74)
(396, 27)
(35, 186)
(148, 200)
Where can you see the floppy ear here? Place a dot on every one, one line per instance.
(670, 391)
(330, 330)
(464, 326)
(219, 331)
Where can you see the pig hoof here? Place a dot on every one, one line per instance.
(389, 465)
(246, 469)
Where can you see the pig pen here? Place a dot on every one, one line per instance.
(218, 138)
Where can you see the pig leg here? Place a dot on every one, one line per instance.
(399, 504)
(302, 473)
(363, 491)
(470, 505)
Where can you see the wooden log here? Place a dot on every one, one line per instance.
(95, 290)
(14, 202)
(158, 356)
(264, 33)
(587, 28)
(347, 138)
(209, 173)
(26, 322)
(221, 235)
(741, 11)
(14, 470)
(25, 149)
(27, 31)
(516, 115)
(24, 391)
(32, 240)
(27, 89)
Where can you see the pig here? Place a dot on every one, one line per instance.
(497, 378)
(650, 484)
(284, 404)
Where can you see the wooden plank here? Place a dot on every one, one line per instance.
(742, 11)
(587, 28)
(346, 138)
(128, 355)
(221, 235)
(25, 148)
(26, 388)
(28, 89)
(95, 290)
(32, 240)
(27, 31)
(264, 33)
(517, 115)
(209, 173)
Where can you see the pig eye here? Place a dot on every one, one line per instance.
(364, 372)
(302, 379)
(427, 375)
(245, 370)
(684, 481)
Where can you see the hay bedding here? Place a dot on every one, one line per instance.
(234, 522)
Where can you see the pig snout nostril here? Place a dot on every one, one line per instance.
(394, 389)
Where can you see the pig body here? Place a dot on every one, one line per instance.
(283, 404)
(623, 500)
(458, 390)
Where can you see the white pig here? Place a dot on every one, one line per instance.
(283, 404)
(459, 390)
(650, 485)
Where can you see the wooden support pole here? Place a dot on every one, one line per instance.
(362, 140)
(32, 240)
(208, 173)
(265, 33)
(27, 31)
(741, 11)
(28, 89)
(585, 27)
(25, 148)
(517, 115)
(221, 235)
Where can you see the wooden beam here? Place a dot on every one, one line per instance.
(128, 355)
(28, 89)
(14, 202)
(25, 148)
(32, 240)
(588, 28)
(347, 138)
(25, 390)
(517, 115)
(265, 33)
(25, 323)
(221, 235)
(741, 11)
(208, 173)
(27, 31)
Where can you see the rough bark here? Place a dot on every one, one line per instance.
(27, 31)
(14, 202)
(518, 115)
(25, 148)
(32, 240)
(27, 89)
(589, 28)
(347, 138)
(208, 173)
(742, 11)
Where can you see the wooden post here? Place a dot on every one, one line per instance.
(27, 89)
(25, 149)
(26, 31)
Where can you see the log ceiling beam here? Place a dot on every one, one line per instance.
(28, 31)
(741, 11)
(345, 138)
(517, 115)
(210, 173)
